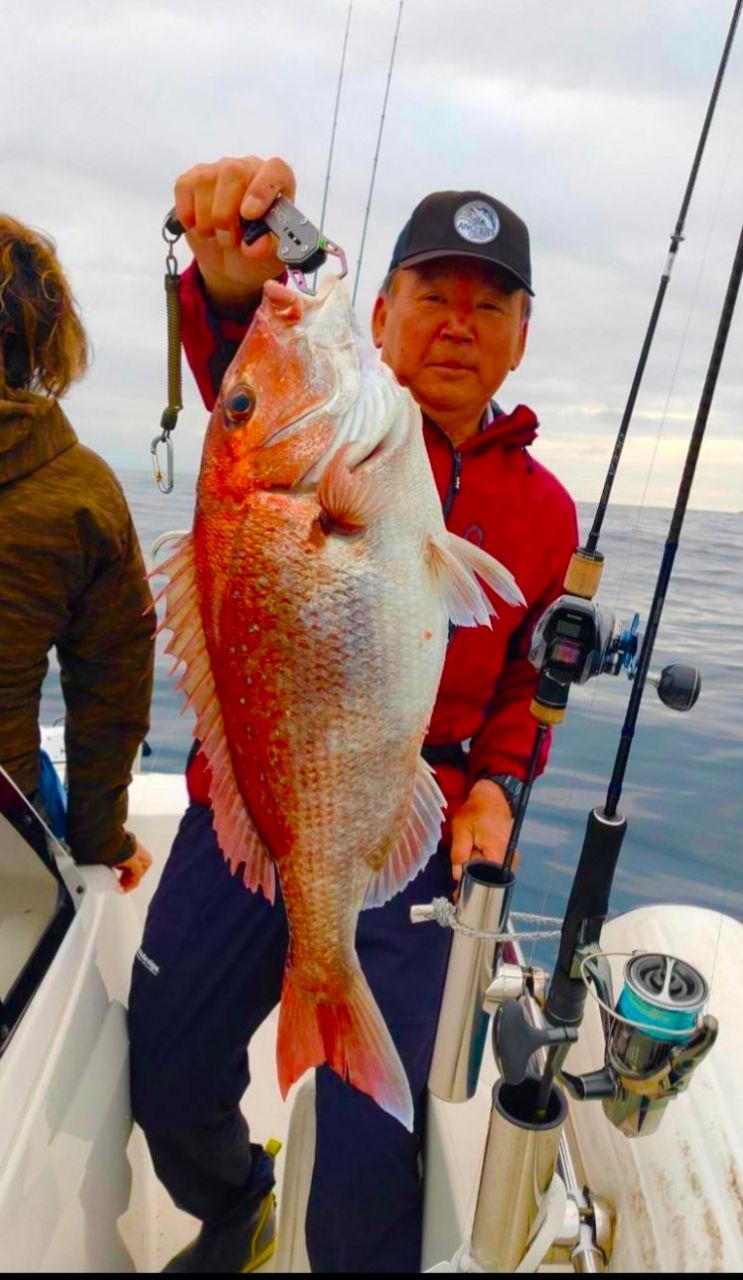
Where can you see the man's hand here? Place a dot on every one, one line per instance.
(130, 872)
(209, 201)
(480, 829)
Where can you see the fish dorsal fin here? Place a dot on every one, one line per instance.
(417, 841)
(236, 835)
(455, 562)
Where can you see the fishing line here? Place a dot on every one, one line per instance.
(677, 519)
(376, 154)
(588, 552)
(591, 708)
(335, 125)
(682, 349)
(676, 237)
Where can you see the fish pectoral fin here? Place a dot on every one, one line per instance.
(458, 564)
(417, 841)
(350, 500)
(236, 834)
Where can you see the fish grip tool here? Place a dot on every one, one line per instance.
(302, 247)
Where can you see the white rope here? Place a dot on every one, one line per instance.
(444, 913)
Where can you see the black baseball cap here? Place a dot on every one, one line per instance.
(468, 224)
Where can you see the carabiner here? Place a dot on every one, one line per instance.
(164, 483)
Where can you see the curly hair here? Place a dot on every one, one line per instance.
(43, 345)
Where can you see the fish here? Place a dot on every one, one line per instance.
(310, 606)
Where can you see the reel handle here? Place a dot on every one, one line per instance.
(678, 685)
(515, 1040)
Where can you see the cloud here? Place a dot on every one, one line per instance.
(583, 117)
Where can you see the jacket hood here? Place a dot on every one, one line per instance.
(33, 430)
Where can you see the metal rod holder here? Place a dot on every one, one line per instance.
(463, 1022)
(517, 1171)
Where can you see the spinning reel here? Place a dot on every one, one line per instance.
(656, 1035)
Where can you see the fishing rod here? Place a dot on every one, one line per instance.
(575, 640)
(606, 827)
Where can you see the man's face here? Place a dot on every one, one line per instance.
(451, 333)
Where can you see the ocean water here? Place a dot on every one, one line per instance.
(683, 794)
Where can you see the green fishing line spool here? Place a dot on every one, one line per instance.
(662, 996)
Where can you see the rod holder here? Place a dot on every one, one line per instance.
(517, 1171)
(483, 904)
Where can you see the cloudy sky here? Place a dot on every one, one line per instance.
(582, 115)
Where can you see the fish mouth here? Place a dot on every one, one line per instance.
(361, 409)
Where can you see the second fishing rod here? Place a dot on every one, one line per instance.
(589, 899)
(576, 640)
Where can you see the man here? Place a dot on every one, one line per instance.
(451, 320)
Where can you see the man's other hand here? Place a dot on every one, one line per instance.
(209, 201)
(481, 828)
(130, 872)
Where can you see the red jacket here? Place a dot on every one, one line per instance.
(494, 493)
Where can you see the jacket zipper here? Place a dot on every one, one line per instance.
(454, 482)
(448, 503)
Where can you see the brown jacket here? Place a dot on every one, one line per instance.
(71, 576)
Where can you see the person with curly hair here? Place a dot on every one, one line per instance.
(72, 577)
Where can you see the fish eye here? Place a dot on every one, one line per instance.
(239, 406)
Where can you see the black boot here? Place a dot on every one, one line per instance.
(233, 1249)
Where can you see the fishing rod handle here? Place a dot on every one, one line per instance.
(586, 912)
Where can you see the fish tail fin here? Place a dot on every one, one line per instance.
(349, 1034)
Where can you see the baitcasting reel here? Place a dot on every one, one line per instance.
(575, 640)
(656, 1035)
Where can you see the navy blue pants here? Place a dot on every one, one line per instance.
(208, 973)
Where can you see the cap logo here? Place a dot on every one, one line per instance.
(477, 222)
